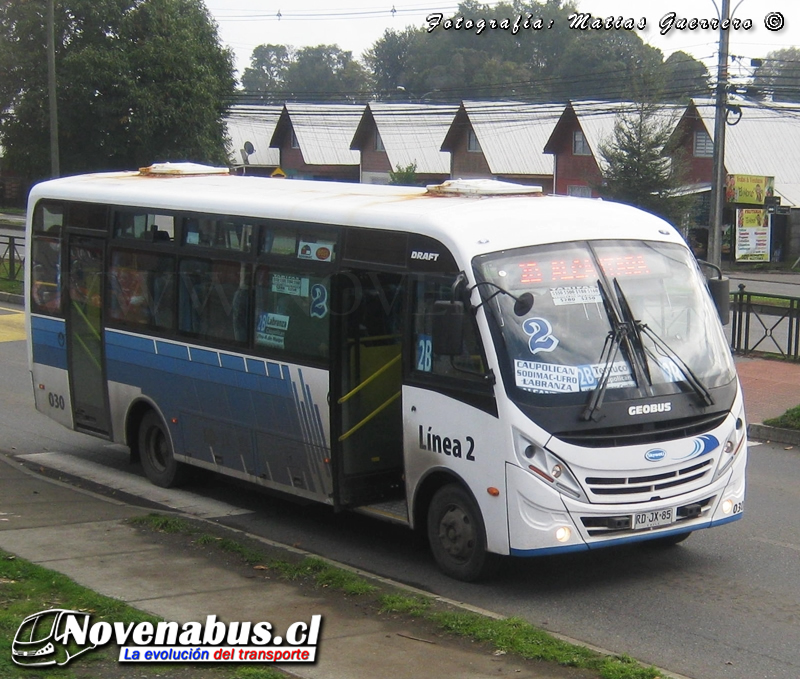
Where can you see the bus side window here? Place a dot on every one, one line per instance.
(211, 296)
(46, 270)
(470, 363)
(141, 288)
(292, 313)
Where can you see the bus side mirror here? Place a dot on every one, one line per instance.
(720, 289)
(448, 328)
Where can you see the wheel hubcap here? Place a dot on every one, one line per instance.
(457, 533)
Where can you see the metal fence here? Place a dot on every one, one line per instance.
(767, 324)
(12, 260)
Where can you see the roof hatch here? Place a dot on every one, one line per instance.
(481, 187)
(180, 170)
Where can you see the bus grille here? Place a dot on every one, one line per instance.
(646, 488)
(642, 434)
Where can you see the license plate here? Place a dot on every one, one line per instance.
(663, 517)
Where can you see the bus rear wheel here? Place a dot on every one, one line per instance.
(155, 449)
(457, 536)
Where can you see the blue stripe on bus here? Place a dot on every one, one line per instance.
(232, 362)
(48, 341)
(180, 377)
(204, 356)
(256, 367)
(130, 342)
(173, 350)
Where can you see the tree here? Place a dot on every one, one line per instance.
(138, 81)
(267, 71)
(637, 172)
(325, 72)
(684, 77)
(387, 59)
(779, 75)
(404, 176)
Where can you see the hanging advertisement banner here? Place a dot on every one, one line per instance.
(748, 188)
(752, 235)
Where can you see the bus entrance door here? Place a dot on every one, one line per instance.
(367, 381)
(85, 335)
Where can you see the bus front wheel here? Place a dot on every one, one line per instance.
(155, 448)
(457, 536)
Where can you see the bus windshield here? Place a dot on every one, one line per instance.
(631, 314)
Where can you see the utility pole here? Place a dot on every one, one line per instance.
(718, 180)
(51, 89)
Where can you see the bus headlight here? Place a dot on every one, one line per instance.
(548, 468)
(730, 450)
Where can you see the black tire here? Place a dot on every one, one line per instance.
(667, 541)
(155, 451)
(457, 535)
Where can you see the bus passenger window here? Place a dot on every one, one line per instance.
(470, 364)
(292, 313)
(316, 245)
(149, 226)
(211, 297)
(46, 259)
(226, 233)
(46, 275)
(141, 289)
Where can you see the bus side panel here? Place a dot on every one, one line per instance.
(247, 417)
(49, 369)
(443, 433)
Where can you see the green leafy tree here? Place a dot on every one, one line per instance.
(404, 176)
(779, 75)
(266, 74)
(138, 81)
(637, 171)
(685, 77)
(325, 72)
(388, 59)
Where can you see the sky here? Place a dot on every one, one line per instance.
(355, 25)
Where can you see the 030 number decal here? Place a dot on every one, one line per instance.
(56, 401)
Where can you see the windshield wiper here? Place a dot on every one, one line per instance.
(618, 333)
(641, 328)
(691, 379)
(610, 351)
(635, 337)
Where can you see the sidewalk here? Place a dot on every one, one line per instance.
(770, 388)
(85, 537)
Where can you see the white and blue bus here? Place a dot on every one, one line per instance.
(508, 372)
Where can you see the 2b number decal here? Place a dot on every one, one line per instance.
(56, 401)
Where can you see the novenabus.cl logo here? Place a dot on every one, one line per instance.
(56, 636)
(43, 638)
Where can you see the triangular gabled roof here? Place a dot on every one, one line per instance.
(411, 133)
(512, 134)
(254, 124)
(764, 142)
(597, 120)
(323, 131)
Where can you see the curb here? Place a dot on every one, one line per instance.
(10, 298)
(762, 432)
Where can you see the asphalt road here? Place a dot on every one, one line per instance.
(723, 605)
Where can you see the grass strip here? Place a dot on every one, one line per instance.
(789, 420)
(26, 588)
(509, 635)
(514, 635)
